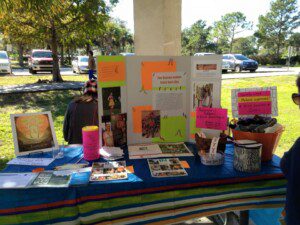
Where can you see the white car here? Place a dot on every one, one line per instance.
(80, 64)
(203, 53)
(5, 65)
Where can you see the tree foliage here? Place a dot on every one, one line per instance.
(196, 39)
(226, 29)
(245, 46)
(276, 25)
(56, 21)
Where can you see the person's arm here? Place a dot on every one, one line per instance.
(67, 123)
(288, 157)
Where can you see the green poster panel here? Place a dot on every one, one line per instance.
(173, 129)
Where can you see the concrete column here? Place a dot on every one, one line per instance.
(157, 27)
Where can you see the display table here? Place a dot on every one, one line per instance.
(143, 199)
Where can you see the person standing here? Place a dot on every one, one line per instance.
(82, 111)
(290, 167)
(91, 66)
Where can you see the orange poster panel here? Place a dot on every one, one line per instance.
(148, 68)
(137, 117)
(111, 71)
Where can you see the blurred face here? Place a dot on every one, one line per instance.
(107, 127)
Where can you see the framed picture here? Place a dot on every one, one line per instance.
(33, 132)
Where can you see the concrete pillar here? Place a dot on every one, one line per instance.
(157, 27)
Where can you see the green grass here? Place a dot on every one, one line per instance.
(54, 101)
(287, 110)
(57, 101)
(16, 80)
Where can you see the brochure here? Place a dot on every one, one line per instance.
(148, 151)
(52, 179)
(16, 180)
(108, 171)
(175, 149)
(166, 168)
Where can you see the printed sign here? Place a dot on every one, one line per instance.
(254, 101)
(211, 118)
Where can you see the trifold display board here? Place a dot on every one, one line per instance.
(159, 94)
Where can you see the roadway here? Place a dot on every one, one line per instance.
(260, 72)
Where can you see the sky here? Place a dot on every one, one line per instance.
(208, 10)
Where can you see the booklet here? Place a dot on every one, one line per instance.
(52, 179)
(166, 168)
(16, 180)
(144, 151)
(108, 171)
(175, 149)
(149, 151)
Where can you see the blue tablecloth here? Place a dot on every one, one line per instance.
(143, 199)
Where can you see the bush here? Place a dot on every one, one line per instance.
(274, 60)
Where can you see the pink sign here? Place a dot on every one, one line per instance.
(254, 103)
(211, 118)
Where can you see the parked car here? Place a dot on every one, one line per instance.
(80, 64)
(127, 53)
(203, 53)
(5, 65)
(40, 60)
(239, 62)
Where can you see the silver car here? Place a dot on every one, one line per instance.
(80, 64)
(5, 65)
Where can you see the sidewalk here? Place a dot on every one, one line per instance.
(70, 85)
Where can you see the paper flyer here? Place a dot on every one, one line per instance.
(169, 93)
(211, 118)
(161, 168)
(115, 170)
(111, 71)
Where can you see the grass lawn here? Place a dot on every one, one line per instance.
(56, 102)
(15, 80)
(287, 110)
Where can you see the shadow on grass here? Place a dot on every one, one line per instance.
(54, 101)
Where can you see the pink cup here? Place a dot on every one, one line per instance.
(90, 142)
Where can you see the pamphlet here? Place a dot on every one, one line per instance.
(16, 180)
(148, 151)
(31, 161)
(108, 171)
(175, 149)
(52, 179)
(166, 168)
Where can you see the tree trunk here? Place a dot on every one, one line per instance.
(88, 48)
(62, 58)
(56, 73)
(20, 51)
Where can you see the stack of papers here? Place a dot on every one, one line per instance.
(111, 153)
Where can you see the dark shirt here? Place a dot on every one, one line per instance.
(79, 115)
(290, 165)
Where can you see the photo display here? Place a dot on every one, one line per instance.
(109, 171)
(114, 130)
(166, 168)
